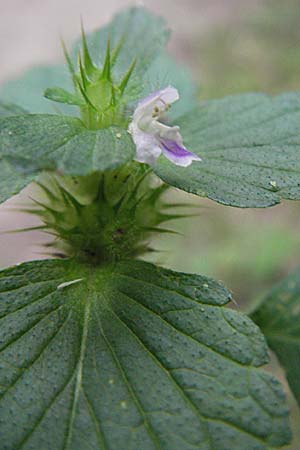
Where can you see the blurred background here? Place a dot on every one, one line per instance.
(231, 46)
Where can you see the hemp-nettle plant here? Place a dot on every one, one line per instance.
(100, 349)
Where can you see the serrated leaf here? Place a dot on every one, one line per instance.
(278, 315)
(250, 146)
(87, 61)
(42, 141)
(130, 356)
(124, 82)
(62, 96)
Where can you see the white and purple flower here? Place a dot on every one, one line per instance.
(152, 137)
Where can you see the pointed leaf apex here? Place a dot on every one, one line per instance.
(115, 52)
(106, 72)
(127, 76)
(82, 72)
(87, 60)
(68, 61)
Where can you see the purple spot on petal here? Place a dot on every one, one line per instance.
(177, 153)
(173, 147)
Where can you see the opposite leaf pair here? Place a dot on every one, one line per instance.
(114, 353)
(248, 143)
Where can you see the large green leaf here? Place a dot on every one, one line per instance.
(278, 316)
(250, 146)
(44, 141)
(130, 356)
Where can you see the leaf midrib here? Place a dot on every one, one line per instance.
(78, 384)
(130, 388)
(165, 370)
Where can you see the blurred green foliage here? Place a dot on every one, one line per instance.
(259, 51)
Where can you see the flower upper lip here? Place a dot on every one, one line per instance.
(153, 137)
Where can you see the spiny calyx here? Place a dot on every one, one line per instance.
(99, 97)
(103, 217)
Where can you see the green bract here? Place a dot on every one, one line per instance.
(130, 356)
(104, 217)
(98, 349)
(136, 34)
(100, 98)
